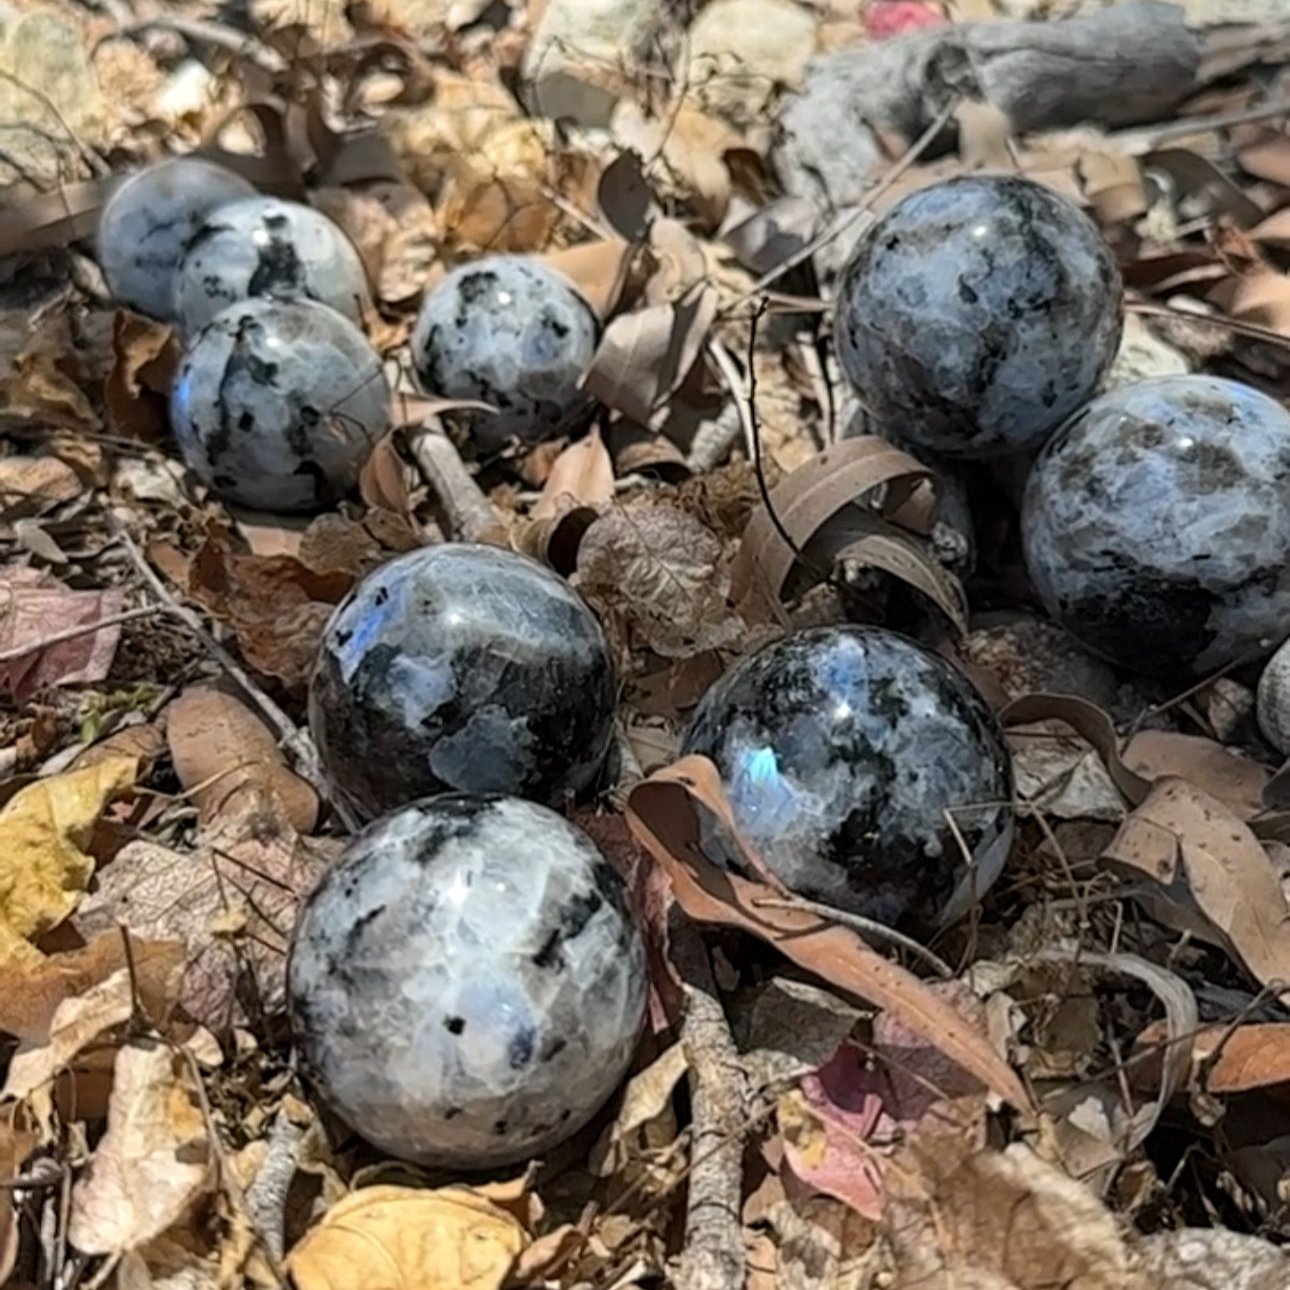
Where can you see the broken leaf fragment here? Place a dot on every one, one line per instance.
(394, 1238)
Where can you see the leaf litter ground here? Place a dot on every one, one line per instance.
(1084, 1086)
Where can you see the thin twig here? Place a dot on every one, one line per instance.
(295, 741)
(469, 513)
(71, 633)
(1138, 141)
(865, 926)
(734, 384)
(1252, 330)
(831, 234)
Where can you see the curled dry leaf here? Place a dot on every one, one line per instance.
(599, 271)
(821, 506)
(230, 760)
(582, 475)
(645, 356)
(665, 572)
(30, 486)
(45, 830)
(391, 1238)
(34, 606)
(153, 1161)
(681, 816)
(1208, 874)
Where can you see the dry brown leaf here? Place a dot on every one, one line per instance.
(231, 761)
(665, 572)
(1002, 1220)
(645, 356)
(35, 605)
(1236, 1060)
(42, 384)
(985, 135)
(1262, 298)
(599, 271)
(582, 475)
(1274, 230)
(1264, 152)
(395, 1238)
(1209, 873)
(136, 390)
(1235, 780)
(1114, 187)
(680, 814)
(383, 481)
(232, 901)
(154, 1160)
(144, 741)
(555, 540)
(32, 993)
(33, 485)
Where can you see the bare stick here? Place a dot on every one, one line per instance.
(266, 1198)
(738, 391)
(712, 1257)
(298, 744)
(835, 231)
(469, 513)
(71, 633)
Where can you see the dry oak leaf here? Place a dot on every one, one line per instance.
(34, 606)
(395, 1238)
(666, 573)
(1209, 875)
(682, 818)
(45, 829)
(153, 1161)
(228, 758)
(33, 485)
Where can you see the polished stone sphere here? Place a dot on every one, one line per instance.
(462, 667)
(841, 750)
(510, 332)
(263, 246)
(977, 314)
(1156, 525)
(467, 985)
(278, 404)
(150, 219)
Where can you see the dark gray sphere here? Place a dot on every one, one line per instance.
(467, 985)
(263, 246)
(841, 749)
(462, 667)
(278, 404)
(510, 332)
(977, 314)
(1156, 525)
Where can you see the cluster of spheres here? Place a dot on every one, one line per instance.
(978, 319)
(468, 983)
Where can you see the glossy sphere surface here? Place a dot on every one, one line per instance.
(977, 314)
(841, 748)
(467, 985)
(277, 404)
(509, 332)
(150, 219)
(462, 667)
(1157, 524)
(266, 247)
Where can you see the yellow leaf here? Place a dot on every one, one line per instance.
(397, 1238)
(44, 830)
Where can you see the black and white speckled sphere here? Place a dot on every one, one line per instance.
(977, 314)
(467, 668)
(510, 332)
(841, 749)
(1156, 525)
(150, 219)
(264, 246)
(277, 404)
(467, 985)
